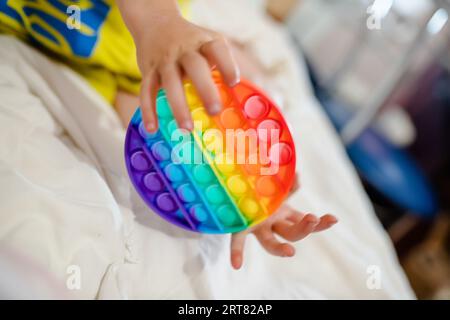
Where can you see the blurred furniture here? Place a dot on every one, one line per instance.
(387, 168)
(384, 166)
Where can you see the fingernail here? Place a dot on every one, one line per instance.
(215, 108)
(290, 253)
(150, 127)
(235, 82)
(237, 261)
(187, 125)
(237, 79)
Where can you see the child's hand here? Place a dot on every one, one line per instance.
(170, 48)
(287, 223)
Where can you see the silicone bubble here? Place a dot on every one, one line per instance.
(231, 172)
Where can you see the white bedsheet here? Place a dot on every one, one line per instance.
(65, 199)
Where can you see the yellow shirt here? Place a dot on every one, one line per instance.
(88, 35)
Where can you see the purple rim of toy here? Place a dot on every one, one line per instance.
(166, 201)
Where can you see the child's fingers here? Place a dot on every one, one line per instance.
(219, 53)
(198, 70)
(325, 222)
(237, 249)
(296, 231)
(296, 216)
(171, 82)
(284, 229)
(272, 245)
(149, 88)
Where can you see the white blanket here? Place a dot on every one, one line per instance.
(69, 213)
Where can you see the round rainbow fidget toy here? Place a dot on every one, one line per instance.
(192, 183)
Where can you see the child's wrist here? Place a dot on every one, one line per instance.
(137, 14)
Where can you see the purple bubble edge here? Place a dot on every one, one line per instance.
(139, 189)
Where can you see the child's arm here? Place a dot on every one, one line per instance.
(170, 48)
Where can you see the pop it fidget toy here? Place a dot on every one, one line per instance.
(194, 184)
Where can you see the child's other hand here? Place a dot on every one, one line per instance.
(287, 223)
(170, 48)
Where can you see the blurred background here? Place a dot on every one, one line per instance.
(381, 71)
